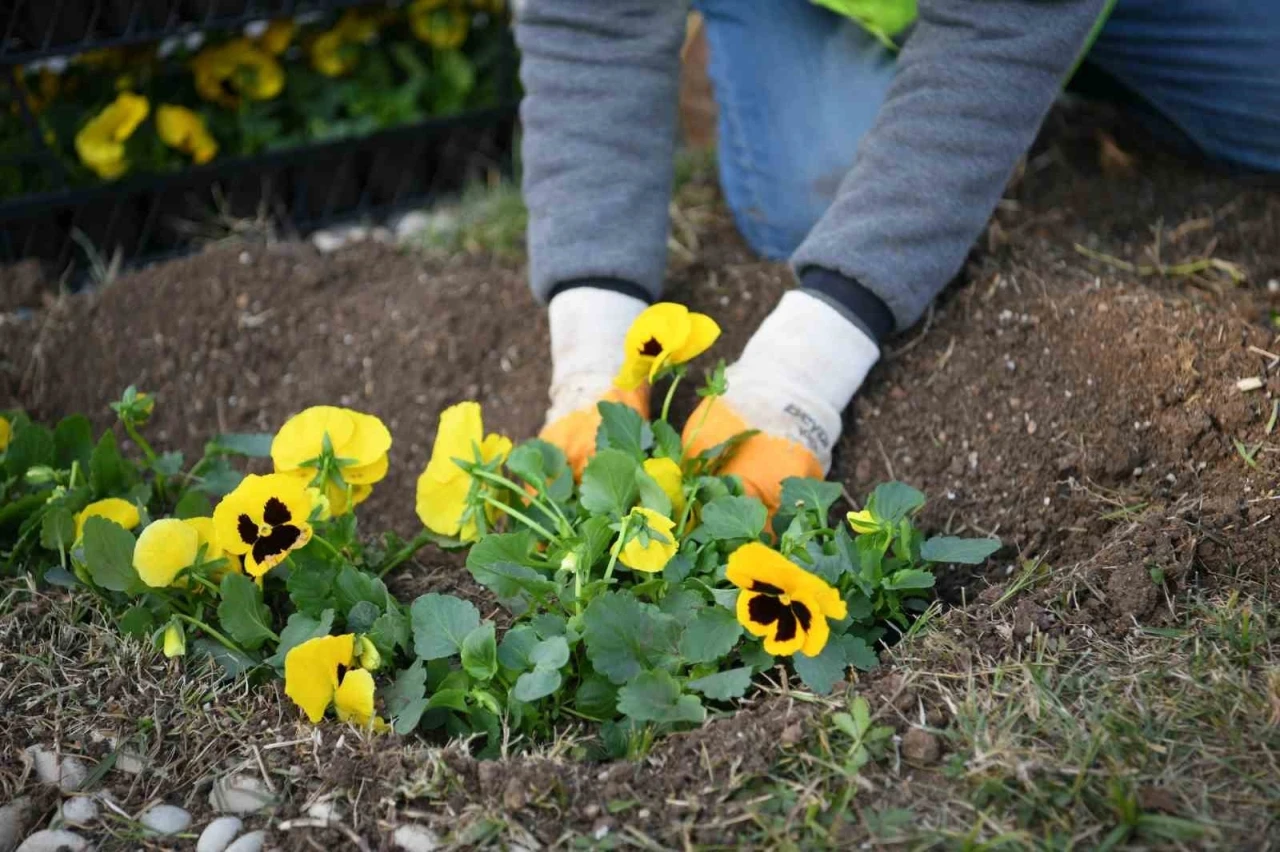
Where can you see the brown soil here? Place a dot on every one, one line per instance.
(1087, 414)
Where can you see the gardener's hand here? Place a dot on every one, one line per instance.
(588, 327)
(795, 377)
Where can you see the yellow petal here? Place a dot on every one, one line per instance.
(311, 672)
(6, 432)
(653, 556)
(164, 548)
(366, 474)
(301, 438)
(279, 33)
(122, 512)
(815, 638)
(634, 372)
(495, 448)
(662, 327)
(239, 519)
(175, 641)
(441, 504)
(703, 332)
(461, 430)
(667, 474)
(784, 649)
(863, 522)
(369, 442)
(354, 697)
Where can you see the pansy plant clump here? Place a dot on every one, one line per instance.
(640, 595)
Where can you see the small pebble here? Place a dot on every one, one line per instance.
(920, 746)
(217, 835)
(68, 775)
(81, 810)
(416, 838)
(13, 822)
(328, 811)
(166, 819)
(54, 840)
(251, 842)
(240, 794)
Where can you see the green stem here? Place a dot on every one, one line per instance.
(549, 507)
(671, 392)
(148, 452)
(405, 553)
(616, 549)
(328, 546)
(702, 421)
(223, 640)
(206, 582)
(523, 518)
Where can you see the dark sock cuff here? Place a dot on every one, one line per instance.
(859, 305)
(616, 285)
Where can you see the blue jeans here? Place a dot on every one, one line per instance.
(1209, 69)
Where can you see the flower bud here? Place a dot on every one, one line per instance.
(370, 659)
(175, 640)
(41, 475)
(570, 561)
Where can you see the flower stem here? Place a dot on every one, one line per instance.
(616, 549)
(222, 640)
(523, 518)
(146, 451)
(548, 507)
(702, 421)
(328, 546)
(405, 553)
(671, 392)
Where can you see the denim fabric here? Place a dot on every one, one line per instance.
(798, 87)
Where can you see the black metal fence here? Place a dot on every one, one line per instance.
(145, 216)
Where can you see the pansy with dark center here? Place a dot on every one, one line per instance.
(652, 348)
(781, 602)
(773, 606)
(264, 519)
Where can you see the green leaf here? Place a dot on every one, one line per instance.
(536, 684)
(108, 551)
(252, 444)
(310, 585)
(513, 584)
(405, 699)
(713, 633)
(683, 604)
(242, 614)
(169, 463)
(516, 646)
(549, 624)
(440, 624)
(756, 657)
(725, 685)
(678, 568)
(73, 442)
(908, 578)
(138, 622)
(550, 653)
(596, 698)
(890, 502)
(609, 483)
(963, 551)
(730, 518)
(32, 445)
(654, 696)
(234, 664)
(219, 478)
(513, 547)
(823, 672)
(651, 494)
(391, 631)
(193, 504)
(859, 654)
(829, 566)
(624, 636)
(480, 652)
(809, 494)
(361, 616)
(596, 536)
(538, 461)
(108, 473)
(353, 586)
(666, 441)
(57, 530)
(297, 630)
(622, 428)
(449, 699)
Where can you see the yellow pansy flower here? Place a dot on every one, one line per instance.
(6, 434)
(238, 68)
(122, 512)
(207, 537)
(278, 35)
(336, 51)
(358, 443)
(175, 640)
(263, 519)
(443, 487)
(100, 143)
(782, 602)
(442, 27)
(185, 130)
(664, 335)
(165, 548)
(652, 549)
(863, 522)
(320, 672)
(667, 474)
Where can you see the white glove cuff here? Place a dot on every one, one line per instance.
(588, 328)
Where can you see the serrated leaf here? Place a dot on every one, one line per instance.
(651, 494)
(682, 604)
(514, 585)
(391, 631)
(73, 442)
(353, 586)
(536, 684)
(405, 699)
(859, 654)
(310, 586)
(233, 663)
(622, 428)
(480, 652)
(654, 696)
(516, 646)
(962, 551)
(810, 494)
(360, 618)
(57, 530)
(609, 483)
(299, 628)
(890, 502)
(31, 445)
(725, 685)
(242, 614)
(440, 624)
(251, 444)
(823, 672)
(538, 461)
(108, 552)
(596, 698)
(666, 441)
(624, 636)
(108, 473)
(712, 633)
(730, 518)
(596, 536)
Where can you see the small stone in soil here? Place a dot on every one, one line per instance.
(54, 840)
(81, 810)
(920, 746)
(217, 835)
(416, 838)
(251, 842)
(240, 794)
(166, 819)
(13, 821)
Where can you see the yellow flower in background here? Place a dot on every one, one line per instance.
(277, 37)
(442, 27)
(667, 474)
(443, 487)
(238, 68)
(175, 640)
(207, 537)
(664, 335)
(114, 509)
(320, 672)
(782, 602)
(863, 522)
(493, 7)
(164, 549)
(652, 549)
(336, 51)
(263, 519)
(6, 434)
(47, 86)
(180, 128)
(356, 458)
(100, 143)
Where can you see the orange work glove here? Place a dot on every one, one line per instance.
(762, 461)
(575, 432)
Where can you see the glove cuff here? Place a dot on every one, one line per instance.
(588, 329)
